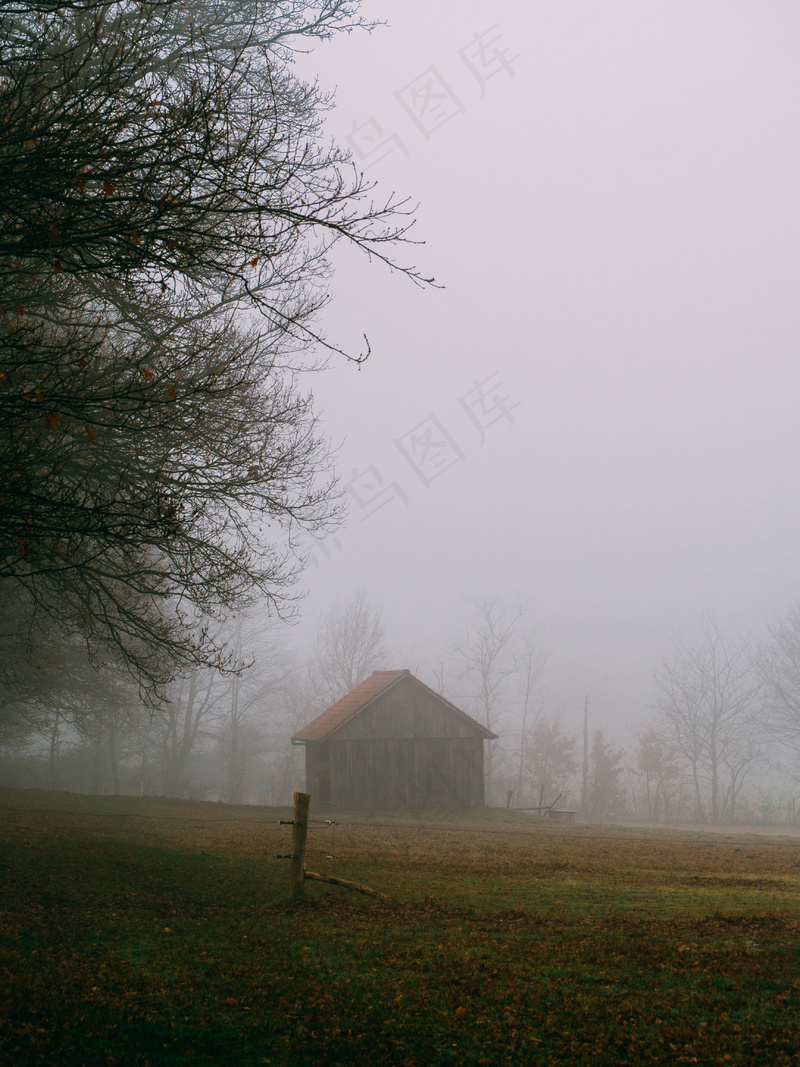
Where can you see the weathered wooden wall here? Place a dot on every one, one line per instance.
(318, 771)
(407, 773)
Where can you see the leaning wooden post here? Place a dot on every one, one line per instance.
(299, 833)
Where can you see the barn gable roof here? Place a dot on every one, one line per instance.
(359, 698)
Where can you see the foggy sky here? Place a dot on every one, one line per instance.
(614, 214)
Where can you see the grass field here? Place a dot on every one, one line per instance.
(150, 931)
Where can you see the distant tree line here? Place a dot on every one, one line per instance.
(718, 743)
(216, 735)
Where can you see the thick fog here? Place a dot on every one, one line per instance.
(597, 414)
(590, 418)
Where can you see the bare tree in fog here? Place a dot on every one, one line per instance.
(251, 706)
(168, 204)
(349, 646)
(706, 698)
(531, 660)
(777, 663)
(658, 770)
(149, 143)
(182, 720)
(106, 712)
(485, 655)
(240, 737)
(49, 689)
(219, 720)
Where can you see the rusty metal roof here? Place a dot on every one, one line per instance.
(357, 699)
(354, 701)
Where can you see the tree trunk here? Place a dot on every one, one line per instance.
(235, 753)
(521, 768)
(714, 761)
(53, 762)
(113, 755)
(700, 812)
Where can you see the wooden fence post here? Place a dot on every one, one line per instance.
(299, 833)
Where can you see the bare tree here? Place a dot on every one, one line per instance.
(105, 712)
(156, 483)
(682, 718)
(248, 709)
(658, 769)
(350, 644)
(47, 684)
(487, 661)
(57, 694)
(777, 664)
(706, 700)
(148, 144)
(294, 702)
(183, 720)
(167, 210)
(531, 660)
(486, 655)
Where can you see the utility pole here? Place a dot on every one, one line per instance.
(585, 774)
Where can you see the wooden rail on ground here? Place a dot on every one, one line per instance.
(356, 886)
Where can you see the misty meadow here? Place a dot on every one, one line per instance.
(398, 415)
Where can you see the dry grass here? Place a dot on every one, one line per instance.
(151, 931)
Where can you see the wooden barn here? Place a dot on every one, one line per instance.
(394, 743)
